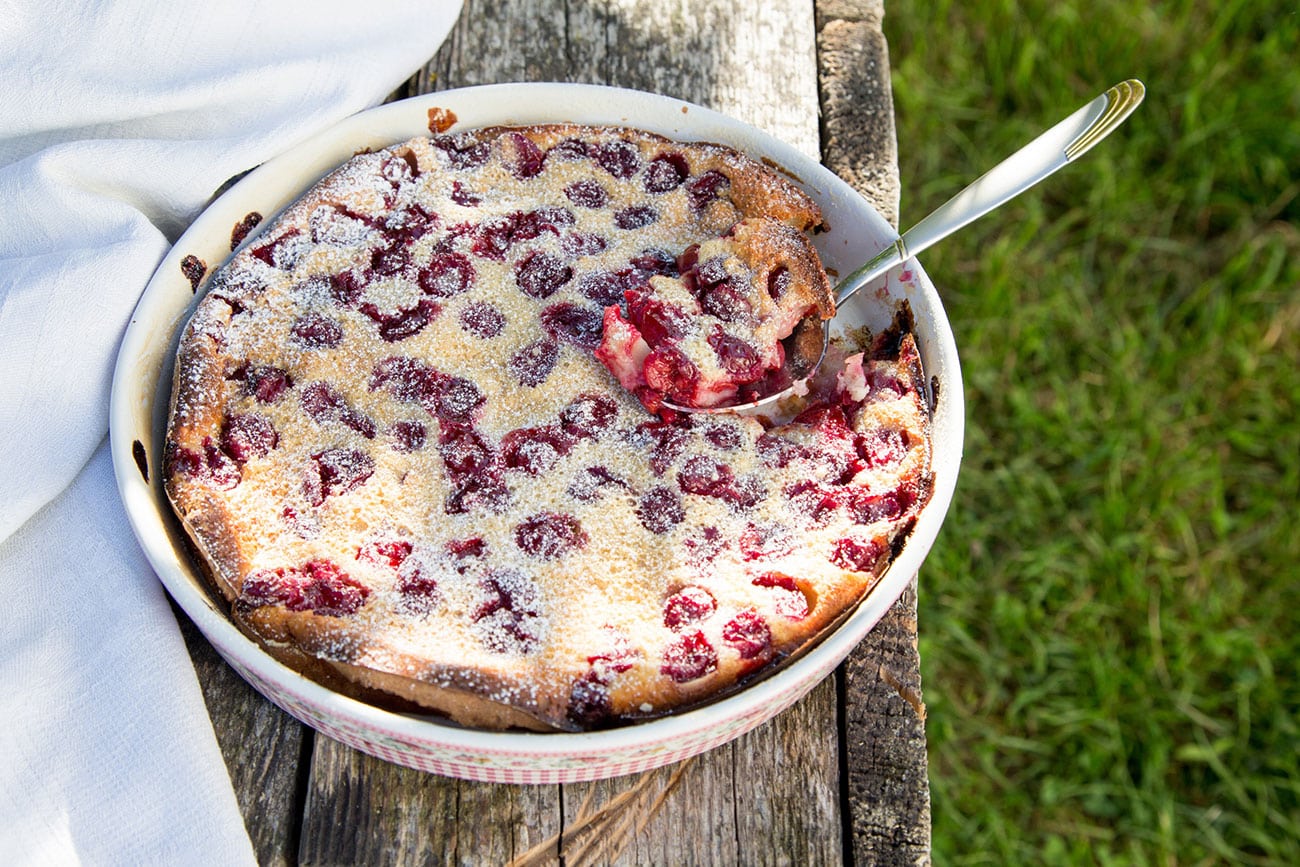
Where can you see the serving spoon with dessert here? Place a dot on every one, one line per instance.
(793, 312)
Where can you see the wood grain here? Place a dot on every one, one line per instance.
(844, 766)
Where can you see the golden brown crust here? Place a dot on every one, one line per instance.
(393, 502)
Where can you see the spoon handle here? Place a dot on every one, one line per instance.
(1063, 143)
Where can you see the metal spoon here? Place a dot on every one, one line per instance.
(1062, 144)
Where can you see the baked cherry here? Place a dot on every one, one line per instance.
(587, 415)
(407, 435)
(531, 365)
(689, 605)
(587, 194)
(549, 535)
(539, 274)
(264, 382)
(688, 657)
(336, 471)
(589, 701)
(884, 447)
(620, 158)
(635, 217)
(281, 252)
(463, 196)
(534, 450)
(749, 634)
(573, 323)
(506, 616)
(665, 172)
(482, 319)
(463, 151)
(858, 555)
(704, 476)
(528, 157)
(316, 332)
(736, 357)
(323, 403)
(606, 288)
(390, 258)
(404, 322)
(455, 399)
(346, 289)
(418, 591)
(703, 189)
(248, 436)
(447, 274)
(464, 452)
(660, 509)
(319, 586)
(723, 436)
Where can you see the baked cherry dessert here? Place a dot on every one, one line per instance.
(417, 431)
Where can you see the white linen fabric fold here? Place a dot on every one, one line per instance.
(118, 121)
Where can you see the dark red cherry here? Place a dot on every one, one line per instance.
(635, 217)
(689, 605)
(408, 436)
(528, 157)
(463, 150)
(573, 323)
(587, 415)
(660, 509)
(316, 332)
(464, 452)
(404, 322)
(534, 450)
(245, 437)
(548, 535)
(606, 288)
(665, 172)
(265, 382)
(482, 319)
(337, 471)
(586, 194)
(705, 188)
(736, 357)
(579, 244)
(323, 403)
(688, 657)
(669, 371)
(531, 365)
(704, 476)
(620, 158)
(749, 634)
(447, 274)
(539, 274)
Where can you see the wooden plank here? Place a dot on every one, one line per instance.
(365, 811)
(263, 746)
(888, 794)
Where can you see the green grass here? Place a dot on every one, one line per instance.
(1110, 621)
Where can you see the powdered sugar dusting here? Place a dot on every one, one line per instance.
(413, 340)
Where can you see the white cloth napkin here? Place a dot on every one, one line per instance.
(118, 120)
